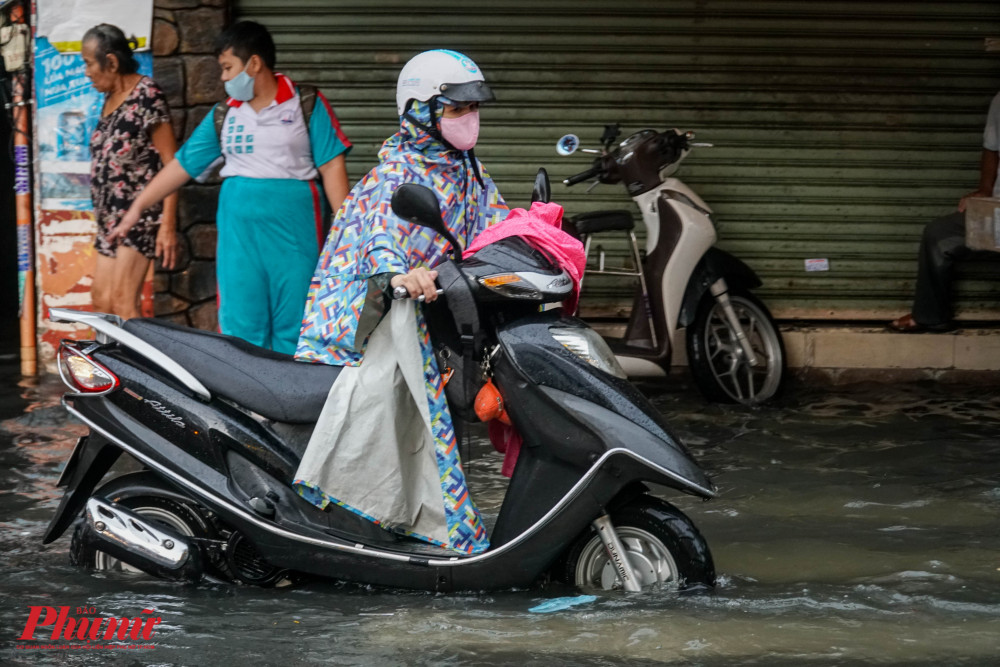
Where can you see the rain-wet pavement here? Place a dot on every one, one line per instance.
(854, 525)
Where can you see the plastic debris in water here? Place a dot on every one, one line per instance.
(558, 604)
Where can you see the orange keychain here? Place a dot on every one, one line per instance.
(489, 404)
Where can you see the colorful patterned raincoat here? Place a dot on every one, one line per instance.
(347, 296)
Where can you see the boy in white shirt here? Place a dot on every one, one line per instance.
(271, 211)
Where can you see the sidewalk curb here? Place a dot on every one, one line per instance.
(858, 352)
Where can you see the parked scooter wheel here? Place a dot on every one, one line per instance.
(150, 498)
(663, 547)
(717, 361)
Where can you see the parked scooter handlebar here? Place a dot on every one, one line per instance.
(583, 175)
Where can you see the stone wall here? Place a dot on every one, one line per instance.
(184, 65)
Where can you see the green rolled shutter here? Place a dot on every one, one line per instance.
(840, 128)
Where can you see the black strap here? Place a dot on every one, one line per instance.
(471, 155)
(219, 112)
(307, 100)
(466, 315)
(460, 303)
(429, 129)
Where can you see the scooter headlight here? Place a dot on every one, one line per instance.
(587, 344)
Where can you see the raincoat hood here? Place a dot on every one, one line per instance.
(422, 122)
(367, 239)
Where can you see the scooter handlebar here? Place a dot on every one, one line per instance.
(583, 175)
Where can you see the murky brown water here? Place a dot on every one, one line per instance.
(854, 526)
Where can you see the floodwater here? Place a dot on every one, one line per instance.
(854, 525)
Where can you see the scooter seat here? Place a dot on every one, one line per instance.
(272, 384)
(603, 221)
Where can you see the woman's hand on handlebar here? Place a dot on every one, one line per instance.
(419, 281)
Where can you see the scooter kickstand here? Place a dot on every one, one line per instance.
(616, 552)
(720, 291)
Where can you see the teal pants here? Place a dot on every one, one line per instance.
(269, 235)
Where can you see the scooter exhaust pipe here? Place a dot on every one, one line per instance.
(132, 539)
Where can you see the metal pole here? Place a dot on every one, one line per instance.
(22, 201)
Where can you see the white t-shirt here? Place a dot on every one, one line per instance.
(271, 143)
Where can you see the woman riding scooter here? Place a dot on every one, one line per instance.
(370, 251)
(219, 424)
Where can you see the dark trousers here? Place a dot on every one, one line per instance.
(943, 243)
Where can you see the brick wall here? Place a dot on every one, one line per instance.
(184, 32)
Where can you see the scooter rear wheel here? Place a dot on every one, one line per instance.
(663, 546)
(716, 358)
(139, 493)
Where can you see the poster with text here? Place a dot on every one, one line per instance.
(67, 110)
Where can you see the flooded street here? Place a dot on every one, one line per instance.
(854, 525)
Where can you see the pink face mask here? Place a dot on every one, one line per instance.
(461, 132)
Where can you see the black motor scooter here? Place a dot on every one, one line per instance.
(220, 426)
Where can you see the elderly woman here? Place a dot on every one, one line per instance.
(369, 252)
(133, 140)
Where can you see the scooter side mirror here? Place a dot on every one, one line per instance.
(611, 133)
(567, 145)
(541, 192)
(417, 204)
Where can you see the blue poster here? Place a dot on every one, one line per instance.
(68, 110)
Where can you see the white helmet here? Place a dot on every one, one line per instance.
(441, 72)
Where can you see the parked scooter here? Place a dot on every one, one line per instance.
(220, 426)
(734, 347)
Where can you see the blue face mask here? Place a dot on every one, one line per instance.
(240, 87)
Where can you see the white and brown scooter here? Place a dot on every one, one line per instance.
(734, 348)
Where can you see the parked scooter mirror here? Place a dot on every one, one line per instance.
(542, 191)
(419, 205)
(567, 145)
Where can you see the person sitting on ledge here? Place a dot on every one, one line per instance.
(943, 243)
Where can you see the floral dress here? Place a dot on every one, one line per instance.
(123, 161)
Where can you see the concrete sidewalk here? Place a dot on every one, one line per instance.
(853, 352)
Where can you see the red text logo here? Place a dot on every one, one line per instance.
(65, 624)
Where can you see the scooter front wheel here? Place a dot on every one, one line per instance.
(662, 544)
(718, 363)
